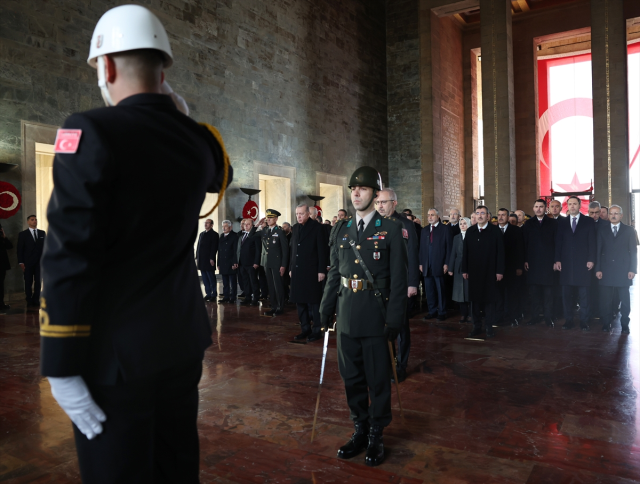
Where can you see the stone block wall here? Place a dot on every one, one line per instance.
(291, 83)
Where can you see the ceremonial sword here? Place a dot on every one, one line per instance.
(324, 359)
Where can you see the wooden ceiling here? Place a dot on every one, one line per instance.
(467, 12)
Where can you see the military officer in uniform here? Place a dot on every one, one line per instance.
(127, 373)
(367, 288)
(276, 260)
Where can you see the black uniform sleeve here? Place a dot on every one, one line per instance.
(332, 287)
(73, 253)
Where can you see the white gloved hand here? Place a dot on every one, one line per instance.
(180, 103)
(73, 396)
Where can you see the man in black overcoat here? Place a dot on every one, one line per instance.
(509, 287)
(616, 267)
(539, 261)
(30, 247)
(228, 263)
(5, 244)
(308, 264)
(483, 266)
(435, 249)
(249, 251)
(575, 258)
(206, 253)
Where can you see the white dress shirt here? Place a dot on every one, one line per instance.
(367, 219)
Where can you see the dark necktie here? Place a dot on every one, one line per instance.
(503, 229)
(480, 230)
(35, 239)
(573, 225)
(615, 231)
(431, 235)
(360, 229)
(243, 238)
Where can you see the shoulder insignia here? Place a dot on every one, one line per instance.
(378, 223)
(405, 233)
(350, 222)
(393, 219)
(67, 140)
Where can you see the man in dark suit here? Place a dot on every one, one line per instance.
(308, 271)
(539, 262)
(30, 245)
(575, 258)
(386, 204)
(594, 290)
(275, 260)
(123, 330)
(435, 249)
(509, 287)
(616, 266)
(286, 279)
(483, 266)
(206, 253)
(454, 218)
(249, 250)
(5, 244)
(228, 263)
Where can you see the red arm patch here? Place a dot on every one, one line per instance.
(67, 140)
(405, 233)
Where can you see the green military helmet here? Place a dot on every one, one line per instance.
(366, 176)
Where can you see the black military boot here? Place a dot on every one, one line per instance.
(375, 450)
(357, 443)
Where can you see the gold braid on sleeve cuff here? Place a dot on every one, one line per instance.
(227, 164)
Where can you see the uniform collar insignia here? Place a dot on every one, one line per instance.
(378, 223)
(350, 222)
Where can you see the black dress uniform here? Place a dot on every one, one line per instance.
(276, 254)
(132, 323)
(363, 353)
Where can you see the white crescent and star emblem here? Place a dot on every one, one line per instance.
(13, 205)
(64, 145)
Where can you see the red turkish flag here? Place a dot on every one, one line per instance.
(250, 210)
(10, 200)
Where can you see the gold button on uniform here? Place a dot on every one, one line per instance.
(358, 247)
(355, 276)
(355, 290)
(357, 261)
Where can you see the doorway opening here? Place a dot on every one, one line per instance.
(44, 182)
(275, 194)
(333, 200)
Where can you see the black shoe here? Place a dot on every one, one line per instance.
(270, 313)
(490, 333)
(207, 298)
(375, 449)
(429, 316)
(515, 322)
(567, 325)
(442, 317)
(314, 337)
(606, 328)
(264, 298)
(278, 312)
(302, 336)
(532, 321)
(475, 332)
(220, 301)
(549, 322)
(625, 330)
(357, 443)
(254, 303)
(241, 296)
(584, 327)
(402, 374)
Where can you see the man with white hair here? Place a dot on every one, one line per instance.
(228, 262)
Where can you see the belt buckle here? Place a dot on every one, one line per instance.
(356, 284)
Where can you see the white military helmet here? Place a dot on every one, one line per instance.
(129, 27)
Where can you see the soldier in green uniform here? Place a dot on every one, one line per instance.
(367, 289)
(275, 254)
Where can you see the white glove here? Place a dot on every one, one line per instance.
(177, 98)
(73, 396)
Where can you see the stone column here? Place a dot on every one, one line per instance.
(498, 105)
(610, 104)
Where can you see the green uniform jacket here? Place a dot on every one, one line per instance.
(384, 252)
(275, 252)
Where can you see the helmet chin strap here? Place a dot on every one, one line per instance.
(102, 81)
(375, 194)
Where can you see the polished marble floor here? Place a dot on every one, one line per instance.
(534, 405)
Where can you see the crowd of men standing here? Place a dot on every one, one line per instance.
(494, 270)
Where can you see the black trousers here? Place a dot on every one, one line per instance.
(508, 295)
(3, 274)
(542, 300)
(610, 297)
(262, 280)
(568, 299)
(150, 435)
(365, 369)
(32, 283)
(286, 283)
(489, 309)
(404, 337)
(276, 288)
(464, 310)
(558, 304)
(306, 313)
(250, 284)
(594, 297)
